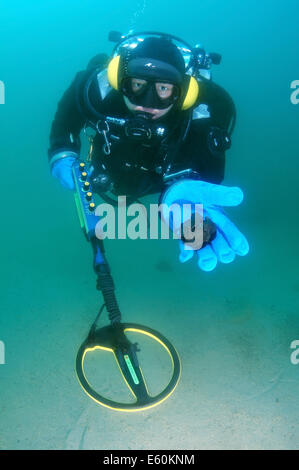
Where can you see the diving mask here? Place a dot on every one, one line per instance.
(150, 93)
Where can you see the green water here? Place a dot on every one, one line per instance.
(232, 327)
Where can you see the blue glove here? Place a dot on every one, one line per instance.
(62, 170)
(229, 241)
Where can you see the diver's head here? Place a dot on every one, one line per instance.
(151, 76)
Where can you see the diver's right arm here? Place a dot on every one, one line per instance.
(65, 135)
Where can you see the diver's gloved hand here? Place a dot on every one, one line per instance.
(229, 241)
(62, 170)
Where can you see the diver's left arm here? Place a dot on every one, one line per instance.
(204, 150)
(209, 145)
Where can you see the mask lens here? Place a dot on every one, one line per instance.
(134, 87)
(138, 86)
(164, 90)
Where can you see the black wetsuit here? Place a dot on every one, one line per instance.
(134, 168)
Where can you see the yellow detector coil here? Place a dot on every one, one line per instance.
(113, 338)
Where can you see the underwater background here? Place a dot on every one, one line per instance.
(232, 327)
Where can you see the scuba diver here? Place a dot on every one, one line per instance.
(162, 126)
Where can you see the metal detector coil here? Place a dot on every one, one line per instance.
(113, 338)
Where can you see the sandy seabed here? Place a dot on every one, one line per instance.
(232, 328)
